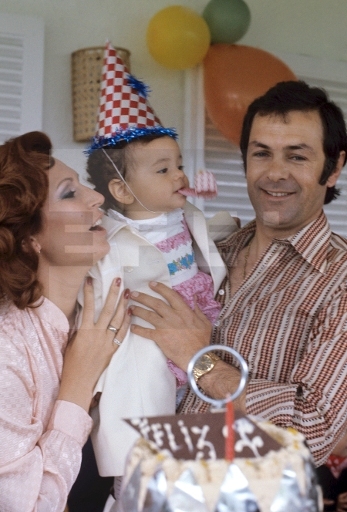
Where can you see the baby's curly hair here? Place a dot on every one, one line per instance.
(101, 171)
(24, 162)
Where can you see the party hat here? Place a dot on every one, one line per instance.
(124, 112)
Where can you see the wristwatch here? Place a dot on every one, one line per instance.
(204, 364)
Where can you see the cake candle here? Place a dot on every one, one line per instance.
(229, 440)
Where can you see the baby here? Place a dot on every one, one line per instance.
(155, 234)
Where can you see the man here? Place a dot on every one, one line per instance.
(284, 303)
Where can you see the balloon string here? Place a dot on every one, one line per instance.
(229, 441)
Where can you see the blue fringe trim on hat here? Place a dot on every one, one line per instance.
(128, 135)
(139, 86)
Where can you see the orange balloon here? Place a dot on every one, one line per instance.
(234, 75)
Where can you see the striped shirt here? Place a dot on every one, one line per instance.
(289, 321)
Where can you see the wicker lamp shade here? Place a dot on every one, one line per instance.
(86, 73)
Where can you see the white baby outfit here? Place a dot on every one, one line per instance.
(137, 381)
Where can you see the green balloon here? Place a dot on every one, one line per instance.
(228, 20)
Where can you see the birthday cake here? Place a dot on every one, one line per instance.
(179, 465)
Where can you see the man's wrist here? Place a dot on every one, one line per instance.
(223, 380)
(204, 365)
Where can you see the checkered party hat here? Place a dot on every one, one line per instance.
(124, 112)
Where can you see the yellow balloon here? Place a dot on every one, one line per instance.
(177, 37)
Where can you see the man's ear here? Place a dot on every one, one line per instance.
(334, 176)
(120, 191)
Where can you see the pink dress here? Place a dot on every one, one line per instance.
(192, 284)
(41, 438)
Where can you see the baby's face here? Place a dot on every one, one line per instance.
(155, 177)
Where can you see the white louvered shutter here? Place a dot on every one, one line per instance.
(223, 158)
(21, 74)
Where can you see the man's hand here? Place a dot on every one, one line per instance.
(179, 331)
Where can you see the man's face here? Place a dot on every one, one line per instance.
(285, 160)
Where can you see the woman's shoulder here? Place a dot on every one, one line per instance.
(20, 324)
(11, 317)
(14, 329)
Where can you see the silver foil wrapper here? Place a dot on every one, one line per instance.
(289, 497)
(314, 497)
(155, 500)
(235, 494)
(187, 495)
(129, 496)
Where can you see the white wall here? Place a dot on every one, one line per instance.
(312, 27)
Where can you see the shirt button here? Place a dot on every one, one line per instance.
(221, 292)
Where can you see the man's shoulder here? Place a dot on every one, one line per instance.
(337, 256)
(236, 235)
(339, 242)
(222, 225)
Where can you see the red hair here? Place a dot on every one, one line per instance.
(24, 162)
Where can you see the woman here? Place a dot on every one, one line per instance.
(49, 238)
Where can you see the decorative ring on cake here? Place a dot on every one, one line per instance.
(243, 381)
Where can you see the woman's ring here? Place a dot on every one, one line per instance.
(113, 329)
(117, 342)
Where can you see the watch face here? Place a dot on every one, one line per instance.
(205, 362)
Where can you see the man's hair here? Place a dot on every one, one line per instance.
(101, 171)
(291, 96)
(24, 162)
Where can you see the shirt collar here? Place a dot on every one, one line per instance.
(164, 219)
(311, 242)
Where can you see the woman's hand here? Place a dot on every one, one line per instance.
(178, 330)
(90, 350)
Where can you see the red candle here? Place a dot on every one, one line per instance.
(229, 441)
